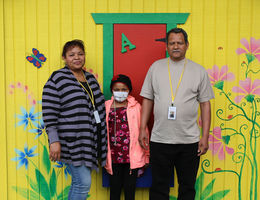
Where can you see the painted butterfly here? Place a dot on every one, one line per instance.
(36, 58)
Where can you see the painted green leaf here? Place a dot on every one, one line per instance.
(173, 198)
(226, 139)
(218, 195)
(46, 160)
(64, 194)
(250, 57)
(250, 98)
(33, 185)
(208, 189)
(219, 85)
(199, 185)
(44, 189)
(26, 193)
(53, 183)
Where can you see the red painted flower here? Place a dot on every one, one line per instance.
(230, 116)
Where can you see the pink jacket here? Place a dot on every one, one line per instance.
(138, 156)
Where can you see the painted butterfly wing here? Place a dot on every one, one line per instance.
(30, 59)
(41, 57)
(37, 64)
(33, 60)
(35, 52)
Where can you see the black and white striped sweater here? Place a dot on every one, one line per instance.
(68, 118)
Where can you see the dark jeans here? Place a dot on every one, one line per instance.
(163, 159)
(122, 178)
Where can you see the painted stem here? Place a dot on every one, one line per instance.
(239, 108)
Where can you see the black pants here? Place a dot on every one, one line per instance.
(125, 178)
(163, 159)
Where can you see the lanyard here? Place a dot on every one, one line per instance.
(173, 96)
(90, 96)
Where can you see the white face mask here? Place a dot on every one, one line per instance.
(120, 96)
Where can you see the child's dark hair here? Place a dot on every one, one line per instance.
(122, 79)
(71, 44)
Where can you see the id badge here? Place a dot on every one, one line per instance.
(96, 115)
(172, 113)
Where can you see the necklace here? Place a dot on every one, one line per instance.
(115, 135)
(115, 124)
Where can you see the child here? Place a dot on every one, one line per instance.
(124, 156)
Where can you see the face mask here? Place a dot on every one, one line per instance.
(120, 96)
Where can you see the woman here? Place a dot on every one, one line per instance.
(74, 116)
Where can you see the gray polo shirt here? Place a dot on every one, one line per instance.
(194, 88)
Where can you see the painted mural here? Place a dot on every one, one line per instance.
(224, 37)
(44, 177)
(242, 105)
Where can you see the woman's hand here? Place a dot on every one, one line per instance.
(55, 149)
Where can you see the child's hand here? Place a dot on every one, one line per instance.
(143, 139)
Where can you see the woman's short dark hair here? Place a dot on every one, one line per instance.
(177, 30)
(71, 44)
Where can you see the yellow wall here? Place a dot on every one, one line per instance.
(215, 28)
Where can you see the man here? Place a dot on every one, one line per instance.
(175, 87)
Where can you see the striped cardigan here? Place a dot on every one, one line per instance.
(68, 118)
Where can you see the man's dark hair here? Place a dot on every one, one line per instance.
(71, 44)
(177, 30)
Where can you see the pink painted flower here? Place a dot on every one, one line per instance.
(218, 144)
(252, 50)
(217, 77)
(247, 89)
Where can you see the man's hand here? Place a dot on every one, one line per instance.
(55, 149)
(205, 118)
(203, 146)
(143, 139)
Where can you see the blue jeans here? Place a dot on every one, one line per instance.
(80, 184)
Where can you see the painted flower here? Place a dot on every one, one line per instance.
(247, 89)
(218, 169)
(27, 118)
(218, 144)
(22, 157)
(65, 166)
(39, 130)
(252, 50)
(217, 77)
